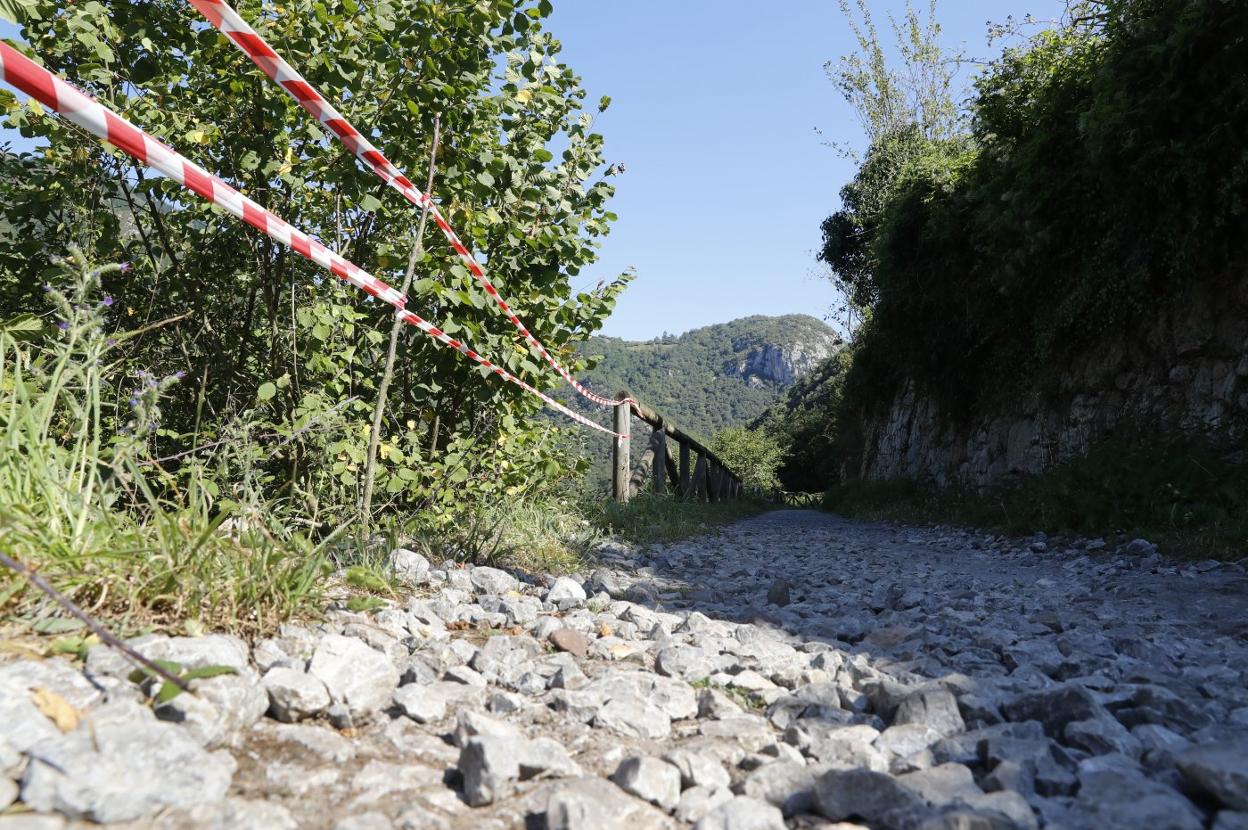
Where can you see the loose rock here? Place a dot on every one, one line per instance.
(358, 677)
(1221, 770)
(649, 779)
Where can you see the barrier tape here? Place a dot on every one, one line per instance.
(79, 108)
(237, 31)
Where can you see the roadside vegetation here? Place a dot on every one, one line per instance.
(1095, 174)
(1180, 491)
(201, 543)
(650, 519)
(1091, 175)
(187, 407)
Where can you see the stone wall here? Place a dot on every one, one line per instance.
(1189, 367)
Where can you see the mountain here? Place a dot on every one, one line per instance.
(713, 377)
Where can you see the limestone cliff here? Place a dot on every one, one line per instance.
(1188, 368)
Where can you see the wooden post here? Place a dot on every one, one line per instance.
(699, 479)
(712, 480)
(684, 470)
(619, 477)
(660, 461)
(639, 477)
(673, 475)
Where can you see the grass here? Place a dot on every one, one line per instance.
(745, 699)
(1187, 493)
(102, 523)
(649, 519)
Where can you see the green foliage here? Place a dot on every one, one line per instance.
(361, 604)
(366, 579)
(753, 454)
(648, 519)
(1102, 175)
(1186, 492)
(166, 690)
(550, 534)
(84, 501)
(281, 360)
(918, 95)
(807, 424)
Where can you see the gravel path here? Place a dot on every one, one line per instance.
(794, 670)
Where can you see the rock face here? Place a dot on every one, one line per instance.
(1190, 365)
(782, 365)
(909, 683)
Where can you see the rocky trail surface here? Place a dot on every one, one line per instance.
(796, 670)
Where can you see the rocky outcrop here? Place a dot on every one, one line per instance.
(1188, 368)
(782, 365)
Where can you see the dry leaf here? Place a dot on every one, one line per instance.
(55, 708)
(605, 630)
(458, 625)
(21, 649)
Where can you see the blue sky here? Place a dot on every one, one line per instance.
(721, 113)
(714, 113)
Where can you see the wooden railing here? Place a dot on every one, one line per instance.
(693, 472)
(789, 499)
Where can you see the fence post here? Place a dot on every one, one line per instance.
(684, 470)
(619, 478)
(699, 479)
(660, 462)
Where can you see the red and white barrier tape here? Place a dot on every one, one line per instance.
(230, 24)
(79, 108)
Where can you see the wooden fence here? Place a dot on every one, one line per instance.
(789, 499)
(693, 472)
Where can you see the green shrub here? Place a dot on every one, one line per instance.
(1102, 176)
(273, 345)
(753, 454)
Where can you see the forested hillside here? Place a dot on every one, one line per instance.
(706, 379)
(716, 376)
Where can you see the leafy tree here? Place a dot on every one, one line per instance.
(918, 93)
(753, 454)
(264, 336)
(907, 113)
